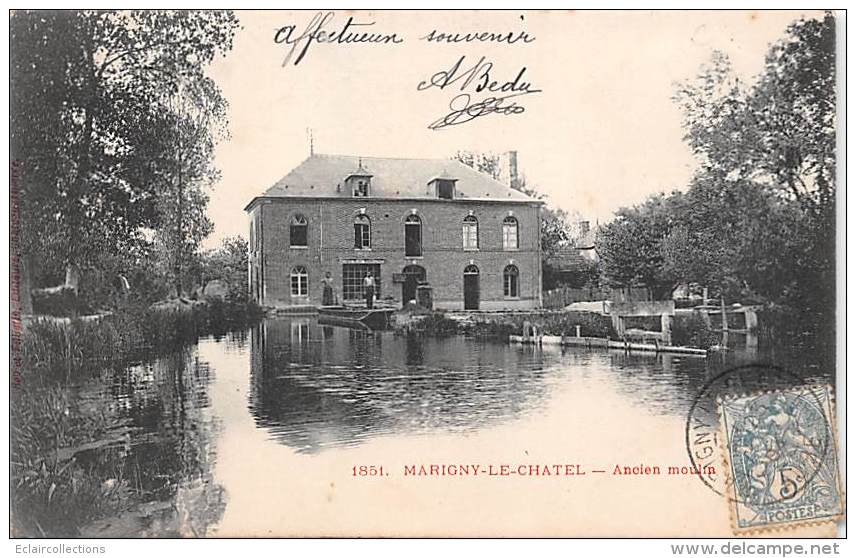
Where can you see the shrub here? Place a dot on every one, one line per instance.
(694, 331)
(438, 325)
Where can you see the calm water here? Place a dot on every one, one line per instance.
(258, 433)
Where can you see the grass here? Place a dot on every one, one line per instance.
(133, 334)
(54, 490)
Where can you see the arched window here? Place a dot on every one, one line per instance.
(298, 232)
(299, 281)
(511, 282)
(471, 233)
(413, 236)
(509, 233)
(362, 232)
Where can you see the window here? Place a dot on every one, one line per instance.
(352, 280)
(361, 188)
(445, 189)
(511, 282)
(471, 233)
(413, 236)
(298, 231)
(509, 233)
(299, 281)
(362, 232)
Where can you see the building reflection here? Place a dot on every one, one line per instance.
(317, 386)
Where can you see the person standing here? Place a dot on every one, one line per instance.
(369, 288)
(327, 298)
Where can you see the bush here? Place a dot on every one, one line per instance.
(694, 331)
(551, 323)
(438, 325)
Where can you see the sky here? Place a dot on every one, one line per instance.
(602, 133)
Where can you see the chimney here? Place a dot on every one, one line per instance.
(509, 169)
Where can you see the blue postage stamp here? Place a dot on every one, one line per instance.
(781, 457)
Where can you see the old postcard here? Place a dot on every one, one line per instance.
(425, 273)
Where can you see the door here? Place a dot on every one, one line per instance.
(413, 274)
(471, 288)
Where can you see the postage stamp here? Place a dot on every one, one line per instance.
(781, 454)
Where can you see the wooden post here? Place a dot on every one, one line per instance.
(666, 328)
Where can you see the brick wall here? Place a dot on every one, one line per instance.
(331, 242)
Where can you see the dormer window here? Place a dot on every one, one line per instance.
(444, 187)
(361, 188)
(359, 182)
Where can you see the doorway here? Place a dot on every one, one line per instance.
(413, 274)
(471, 288)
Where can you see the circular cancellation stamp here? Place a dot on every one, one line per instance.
(771, 453)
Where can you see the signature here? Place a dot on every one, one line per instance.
(463, 111)
(478, 78)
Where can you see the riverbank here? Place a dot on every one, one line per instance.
(67, 462)
(691, 331)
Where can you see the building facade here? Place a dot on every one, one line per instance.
(473, 240)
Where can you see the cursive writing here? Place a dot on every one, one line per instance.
(479, 79)
(462, 111)
(315, 31)
(480, 36)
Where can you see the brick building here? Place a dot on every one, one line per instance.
(435, 222)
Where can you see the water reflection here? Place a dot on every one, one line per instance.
(161, 444)
(312, 388)
(317, 386)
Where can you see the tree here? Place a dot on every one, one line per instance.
(631, 248)
(194, 125)
(229, 263)
(774, 141)
(88, 116)
(488, 163)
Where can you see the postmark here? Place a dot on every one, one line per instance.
(781, 459)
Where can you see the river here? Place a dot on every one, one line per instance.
(265, 433)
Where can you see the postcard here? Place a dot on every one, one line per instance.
(467, 273)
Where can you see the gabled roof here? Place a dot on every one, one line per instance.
(324, 176)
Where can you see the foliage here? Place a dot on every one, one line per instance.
(694, 331)
(758, 220)
(78, 346)
(591, 324)
(437, 324)
(92, 122)
(775, 141)
(228, 263)
(488, 163)
(631, 247)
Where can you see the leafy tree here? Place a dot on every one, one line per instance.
(89, 116)
(194, 125)
(773, 141)
(229, 263)
(631, 248)
(487, 163)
